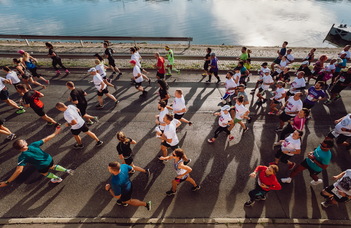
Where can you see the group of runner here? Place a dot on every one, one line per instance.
(289, 106)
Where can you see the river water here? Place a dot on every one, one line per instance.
(229, 22)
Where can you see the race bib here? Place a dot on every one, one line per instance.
(336, 192)
(310, 97)
(342, 79)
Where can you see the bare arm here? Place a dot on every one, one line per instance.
(17, 172)
(48, 138)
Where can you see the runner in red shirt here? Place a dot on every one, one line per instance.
(160, 66)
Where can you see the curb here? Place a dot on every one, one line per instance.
(219, 221)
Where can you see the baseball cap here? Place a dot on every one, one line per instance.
(305, 63)
(213, 54)
(264, 64)
(267, 71)
(21, 51)
(92, 70)
(225, 107)
(132, 61)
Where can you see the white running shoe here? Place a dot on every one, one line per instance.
(286, 180)
(319, 181)
(56, 180)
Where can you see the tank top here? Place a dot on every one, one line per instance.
(178, 170)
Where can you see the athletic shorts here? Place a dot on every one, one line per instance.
(82, 108)
(330, 188)
(160, 75)
(164, 143)
(84, 128)
(340, 138)
(312, 172)
(237, 120)
(46, 169)
(337, 88)
(127, 195)
(206, 65)
(261, 91)
(128, 160)
(285, 117)
(182, 179)
(104, 77)
(178, 116)
(307, 105)
(215, 72)
(4, 95)
(111, 62)
(277, 61)
(276, 101)
(137, 85)
(283, 157)
(39, 111)
(102, 92)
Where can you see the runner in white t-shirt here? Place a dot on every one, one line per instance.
(159, 118)
(178, 107)
(138, 78)
(264, 66)
(291, 107)
(101, 88)
(342, 130)
(77, 123)
(225, 123)
(241, 113)
(12, 76)
(101, 69)
(267, 81)
(5, 96)
(298, 85)
(278, 98)
(230, 87)
(290, 146)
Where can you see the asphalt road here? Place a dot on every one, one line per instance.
(222, 169)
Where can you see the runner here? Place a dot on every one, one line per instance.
(266, 182)
(12, 76)
(160, 66)
(101, 88)
(207, 60)
(244, 73)
(5, 131)
(339, 192)
(31, 98)
(281, 53)
(316, 161)
(230, 87)
(34, 155)
(163, 91)
(55, 59)
(5, 96)
(267, 81)
(289, 56)
(296, 123)
(137, 57)
(77, 97)
(342, 131)
(182, 171)
(101, 69)
(178, 107)
(25, 74)
(342, 82)
(138, 77)
(264, 66)
(290, 146)
(125, 152)
(225, 122)
(310, 56)
(213, 68)
(111, 61)
(73, 118)
(291, 107)
(278, 98)
(121, 187)
(314, 95)
(30, 64)
(298, 85)
(241, 113)
(170, 65)
(241, 93)
(160, 118)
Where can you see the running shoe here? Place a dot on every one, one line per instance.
(77, 146)
(90, 123)
(120, 203)
(325, 204)
(170, 193)
(11, 137)
(148, 206)
(67, 71)
(119, 74)
(319, 181)
(286, 180)
(168, 74)
(190, 123)
(147, 172)
(70, 171)
(292, 165)
(208, 81)
(271, 113)
(96, 119)
(117, 102)
(20, 110)
(47, 82)
(187, 162)
(249, 203)
(99, 106)
(56, 180)
(210, 140)
(99, 143)
(194, 189)
(49, 123)
(245, 130)
(218, 81)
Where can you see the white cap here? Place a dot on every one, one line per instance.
(305, 62)
(92, 70)
(267, 70)
(225, 107)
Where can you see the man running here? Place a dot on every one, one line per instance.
(178, 107)
(34, 155)
(342, 131)
(160, 66)
(74, 119)
(170, 65)
(5, 96)
(138, 78)
(160, 118)
(225, 123)
(121, 187)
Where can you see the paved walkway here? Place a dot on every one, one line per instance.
(222, 169)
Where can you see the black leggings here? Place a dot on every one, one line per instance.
(58, 61)
(219, 130)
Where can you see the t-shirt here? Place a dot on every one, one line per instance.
(207, 56)
(321, 156)
(224, 119)
(77, 94)
(271, 180)
(170, 132)
(51, 52)
(329, 68)
(101, 70)
(282, 64)
(72, 114)
(298, 123)
(163, 93)
(244, 56)
(236, 77)
(13, 77)
(278, 93)
(2, 85)
(161, 116)
(120, 183)
(293, 106)
(314, 94)
(266, 79)
(244, 95)
(35, 156)
(297, 83)
(179, 104)
(290, 144)
(229, 83)
(240, 111)
(136, 72)
(243, 70)
(213, 64)
(344, 183)
(345, 123)
(109, 53)
(290, 58)
(124, 148)
(342, 64)
(136, 58)
(344, 78)
(282, 51)
(170, 56)
(97, 79)
(32, 98)
(161, 65)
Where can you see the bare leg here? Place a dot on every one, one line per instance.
(12, 103)
(135, 202)
(4, 130)
(100, 100)
(174, 185)
(192, 181)
(48, 119)
(164, 151)
(92, 135)
(137, 168)
(78, 139)
(107, 83)
(111, 96)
